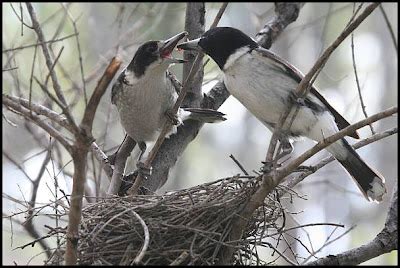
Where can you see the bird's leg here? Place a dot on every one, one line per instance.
(141, 167)
(172, 117)
(286, 148)
(285, 145)
(143, 170)
(113, 157)
(142, 147)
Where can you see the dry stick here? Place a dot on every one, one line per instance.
(384, 242)
(167, 125)
(38, 121)
(119, 166)
(357, 81)
(389, 27)
(90, 111)
(79, 156)
(140, 256)
(272, 181)
(38, 44)
(78, 44)
(269, 183)
(56, 85)
(378, 136)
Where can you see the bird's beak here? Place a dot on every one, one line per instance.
(168, 46)
(190, 45)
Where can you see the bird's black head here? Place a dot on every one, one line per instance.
(155, 54)
(219, 43)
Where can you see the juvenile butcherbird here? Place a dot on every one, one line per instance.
(263, 83)
(144, 94)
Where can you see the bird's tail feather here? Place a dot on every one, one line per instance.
(370, 182)
(204, 115)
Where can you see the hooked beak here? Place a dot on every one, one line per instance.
(190, 45)
(168, 46)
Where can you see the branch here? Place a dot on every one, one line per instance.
(285, 13)
(38, 121)
(384, 242)
(270, 181)
(90, 111)
(49, 63)
(119, 166)
(40, 110)
(378, 136)
(195, 26)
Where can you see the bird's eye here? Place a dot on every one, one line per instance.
(151, 49)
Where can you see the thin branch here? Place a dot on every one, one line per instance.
(142, 252)
(219, 15)
(239, 165)
(378, 136)
(40, 110)
(119, 166)
(90, 111)
(384, 242)
(49, 63)
(79, 52)
(38, 44)
(102, 158)
(390, 28)
(38, 121)
(356, 75)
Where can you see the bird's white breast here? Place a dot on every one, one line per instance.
(142, 105)
(262, 86)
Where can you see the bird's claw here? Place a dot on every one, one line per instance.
(172, 117)
(295, 99)
(142, 170)
(305, 169)
(111, 158)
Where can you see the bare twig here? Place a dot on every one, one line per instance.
(38, 44)
(384, 242)
(356, 75)
(49, 63)
(38, 121)
(195, 26)
(88, 117)
(78, 44)
(79, 155)
(119, 166)
(390, 28)
(239, 165)
(140, 256)
(219, 15)
(378, 136)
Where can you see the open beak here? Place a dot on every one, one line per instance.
(190, 45)
(168, 46)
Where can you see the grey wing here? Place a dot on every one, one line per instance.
(117, 87)
(297, 75)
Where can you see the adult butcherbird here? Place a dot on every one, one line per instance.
(263, 83)
(144, 94)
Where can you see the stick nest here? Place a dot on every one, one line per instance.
(186, 227)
